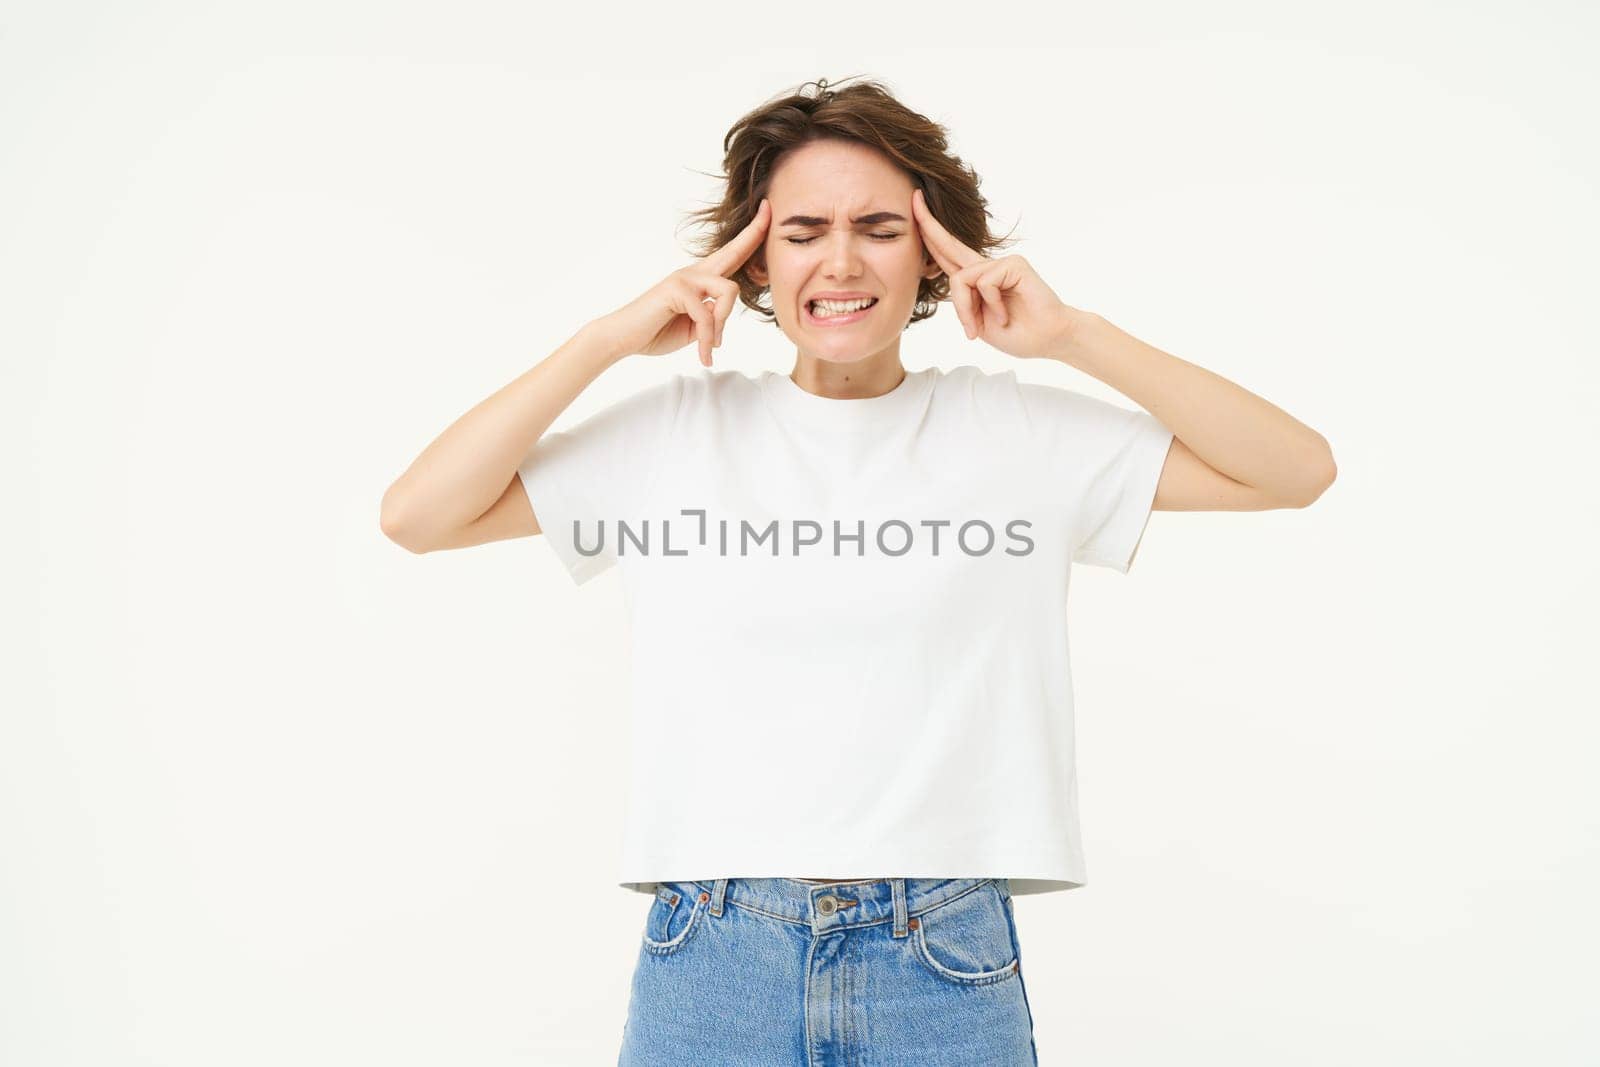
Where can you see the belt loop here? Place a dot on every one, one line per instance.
(898, 887)
(717, 893)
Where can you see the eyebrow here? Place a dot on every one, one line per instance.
(863, 220)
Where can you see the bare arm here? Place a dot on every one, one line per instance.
(1233, 450)
(464, 488)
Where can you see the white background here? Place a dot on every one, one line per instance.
(276, 791)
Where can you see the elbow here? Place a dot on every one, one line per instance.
(1325, 473)
(398, 528)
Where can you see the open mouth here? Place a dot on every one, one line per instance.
(828, 316)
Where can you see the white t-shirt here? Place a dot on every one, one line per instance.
(893, 701)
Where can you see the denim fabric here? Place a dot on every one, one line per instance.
(773, 972)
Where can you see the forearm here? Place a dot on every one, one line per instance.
(466, 468)
(1239, 433)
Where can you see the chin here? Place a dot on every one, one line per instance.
(842, 345)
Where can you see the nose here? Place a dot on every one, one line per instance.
(841, 259)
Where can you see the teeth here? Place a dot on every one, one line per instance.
(823, 308)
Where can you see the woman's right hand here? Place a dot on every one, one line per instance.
(674, 312)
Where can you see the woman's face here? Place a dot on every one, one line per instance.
(842, 223)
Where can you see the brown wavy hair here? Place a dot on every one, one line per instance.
(866, 113)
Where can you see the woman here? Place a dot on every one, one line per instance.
(848, 588)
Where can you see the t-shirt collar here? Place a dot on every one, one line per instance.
(793, 401)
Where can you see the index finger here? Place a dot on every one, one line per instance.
(731, 256)
(941, 242)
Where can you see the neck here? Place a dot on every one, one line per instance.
(870, 376)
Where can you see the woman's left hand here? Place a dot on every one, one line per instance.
(1003, 301)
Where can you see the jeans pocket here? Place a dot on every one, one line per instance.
(967, 941)
(673, 918)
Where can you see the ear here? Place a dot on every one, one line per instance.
(755, 271)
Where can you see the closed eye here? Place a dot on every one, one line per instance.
(808, 240)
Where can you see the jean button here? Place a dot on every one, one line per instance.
(827, 905)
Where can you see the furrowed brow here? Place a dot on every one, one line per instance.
(863, 220)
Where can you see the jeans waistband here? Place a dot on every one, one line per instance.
(839, 905)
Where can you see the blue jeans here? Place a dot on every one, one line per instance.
(770, 972)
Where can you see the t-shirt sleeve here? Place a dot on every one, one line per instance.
(1110, 459)
(582, 480)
